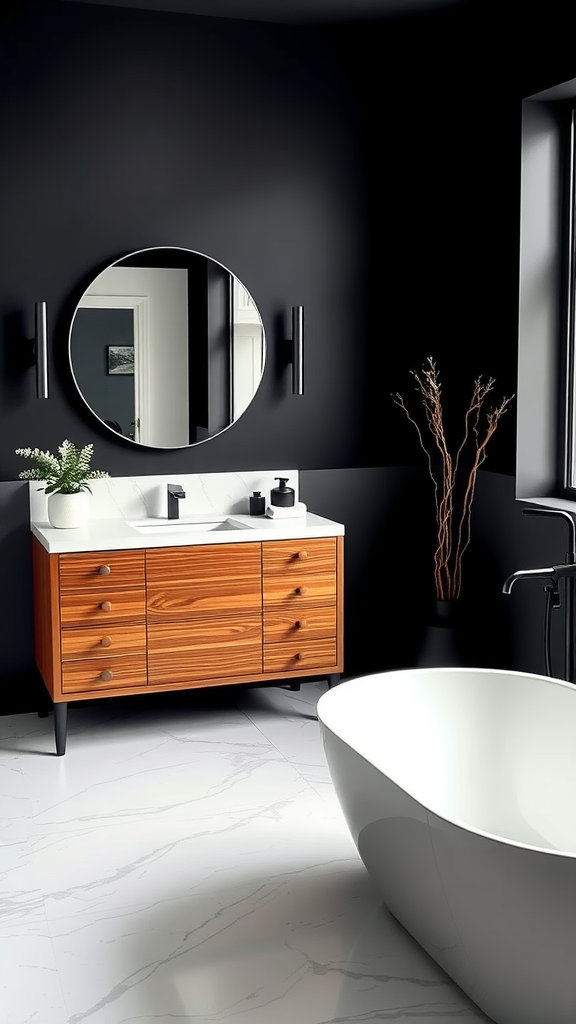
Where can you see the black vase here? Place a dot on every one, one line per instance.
(440, 643)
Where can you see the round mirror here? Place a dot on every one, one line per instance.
(167, 347)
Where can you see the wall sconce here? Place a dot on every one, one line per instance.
(297, 350)
(40, 350)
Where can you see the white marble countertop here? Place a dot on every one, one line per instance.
(117, 534)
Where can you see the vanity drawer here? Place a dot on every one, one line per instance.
(107, 605)
(205, 649)
(104, 673)
(186, 617)
(294, 558)
(298, 594)
(294, 656)
(313, 624)
(188, 583)
(101, 570)
(95, 642)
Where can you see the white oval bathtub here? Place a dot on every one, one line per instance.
(458, 786)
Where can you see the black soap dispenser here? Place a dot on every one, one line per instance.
(282, 496)
(257, 504)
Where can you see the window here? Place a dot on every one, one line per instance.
(546, 406)
(569, 218)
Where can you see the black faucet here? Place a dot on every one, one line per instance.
(174, 493)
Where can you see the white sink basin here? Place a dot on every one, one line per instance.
(194, 524)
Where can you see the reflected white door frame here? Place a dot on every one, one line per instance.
(139, 305)
(161, 362)
(247, 349)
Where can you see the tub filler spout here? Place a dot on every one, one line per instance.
(551, 572)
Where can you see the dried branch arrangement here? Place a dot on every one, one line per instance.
(454, 482)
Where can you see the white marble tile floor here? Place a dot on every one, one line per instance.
(187, 862)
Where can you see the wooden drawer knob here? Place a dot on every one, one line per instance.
(299, 656)
(104, 570)
(106, 675)
(106, 606)
(301, 590)
(302, 554)
(105, 641)
(301, 624)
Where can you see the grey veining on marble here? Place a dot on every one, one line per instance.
(137, 497)
(188, 862)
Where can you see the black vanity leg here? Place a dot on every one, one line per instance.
(60, 720)
(295, 686)
(333, 679)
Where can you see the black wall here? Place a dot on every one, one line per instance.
(369, 173)
(125, 129)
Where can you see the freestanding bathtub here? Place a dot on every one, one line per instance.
(458, 786)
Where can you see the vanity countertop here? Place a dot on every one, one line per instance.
(118, 534)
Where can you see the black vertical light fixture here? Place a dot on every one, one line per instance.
(297, 350)
(41, 350)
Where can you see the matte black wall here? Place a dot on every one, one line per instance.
(125, 129)
(371, 174)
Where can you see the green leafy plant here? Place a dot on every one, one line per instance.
(66, 473)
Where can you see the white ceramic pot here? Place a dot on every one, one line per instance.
(68, 511)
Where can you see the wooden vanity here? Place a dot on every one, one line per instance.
(154, 619)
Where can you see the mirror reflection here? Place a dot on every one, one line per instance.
(167, 347)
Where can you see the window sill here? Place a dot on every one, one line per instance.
(565, 504)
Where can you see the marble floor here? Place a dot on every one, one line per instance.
(187, 861)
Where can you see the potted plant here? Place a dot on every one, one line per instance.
(453, 478)
(66, 478)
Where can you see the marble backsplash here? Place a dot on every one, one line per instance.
(130, 497)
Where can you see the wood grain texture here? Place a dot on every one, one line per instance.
(204, 610)
(283, 557)
(204, 563)
(98, 642)
(80, 571)
(86, 676)
(210, 648)
(188, 603)
(46, 617)
(340, 604)
(86, 608)
(187, 583)
(313, 624)
(178, 636)
(187, 683)
(306, 657)
(298, 594)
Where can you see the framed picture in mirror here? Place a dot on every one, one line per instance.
(188, 337)
(120, 359)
